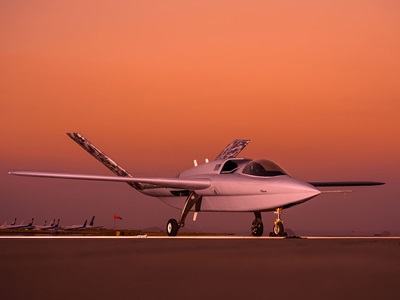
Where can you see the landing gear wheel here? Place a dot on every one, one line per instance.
(257, 228)
(172, 227)
(278, 228)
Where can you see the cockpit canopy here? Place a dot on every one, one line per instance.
(263, 167)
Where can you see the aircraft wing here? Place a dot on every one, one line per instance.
(177, 183)
(345, 183)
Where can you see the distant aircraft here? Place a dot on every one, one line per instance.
(91, 225)
(5, 224)
(75, 227)
(20, 226)
(226, 184)
(52, 225)
(44, 225)
(57, 225)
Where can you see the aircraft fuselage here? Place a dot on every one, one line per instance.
(233, 190)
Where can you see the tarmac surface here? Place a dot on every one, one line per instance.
(199, 268)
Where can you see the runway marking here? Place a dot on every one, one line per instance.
(204, 237)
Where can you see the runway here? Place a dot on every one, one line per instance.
(231, 267)
(227, 237)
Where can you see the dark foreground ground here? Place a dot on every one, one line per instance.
(199, 269)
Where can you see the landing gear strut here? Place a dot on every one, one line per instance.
(257, 226)
(174, 225)
(278, 229)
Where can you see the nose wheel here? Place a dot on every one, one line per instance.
(278, 229)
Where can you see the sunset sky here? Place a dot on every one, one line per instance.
(315, 86)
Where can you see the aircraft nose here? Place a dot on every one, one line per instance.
(305, 188)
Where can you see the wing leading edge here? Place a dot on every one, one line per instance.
(189, 184)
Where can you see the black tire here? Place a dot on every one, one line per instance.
(278, 229)
(257, 228)
(172, 227)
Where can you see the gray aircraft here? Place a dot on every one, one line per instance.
(91, 225)
(44, 225)
(51, 226)
(75, 227)
(20, 226)
(4, 226)
(226, 184)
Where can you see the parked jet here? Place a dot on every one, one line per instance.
(226, 184)
(51, 226)
(91, 225)
(20, 226)
(75, 227)
(57, 225)
(41, 226)
(5, 224)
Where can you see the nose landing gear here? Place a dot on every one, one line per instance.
(257, 226)
(278, 229)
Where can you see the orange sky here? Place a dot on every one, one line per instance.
(313, 84)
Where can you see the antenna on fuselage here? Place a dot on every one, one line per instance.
(195, 163)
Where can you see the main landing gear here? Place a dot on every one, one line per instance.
(174, 225)
(257, 226)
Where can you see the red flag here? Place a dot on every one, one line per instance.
(117, 217)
